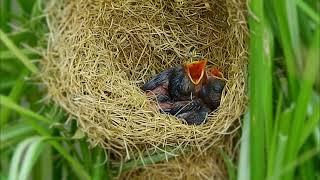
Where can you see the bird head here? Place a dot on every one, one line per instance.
(195, 70)
(217, 80)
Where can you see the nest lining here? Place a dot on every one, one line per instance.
(101, 52)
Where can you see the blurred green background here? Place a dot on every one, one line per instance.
(280, 132)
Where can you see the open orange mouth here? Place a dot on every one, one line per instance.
(195, 70)
(216, 72)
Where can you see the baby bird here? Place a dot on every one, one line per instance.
(186, 80)
(158, 85)
(187, 91)
(212, 88)
(177, 83)
(193, 111)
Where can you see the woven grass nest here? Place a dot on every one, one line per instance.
(100, 53)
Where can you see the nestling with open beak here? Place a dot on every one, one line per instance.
(177, 83)
(186, 80)
(212, 87)
(187, 91)
(207, 99)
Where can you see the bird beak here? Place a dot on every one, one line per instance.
(216, 72)
(195, 70)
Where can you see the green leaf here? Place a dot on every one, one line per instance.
(266, 85)
(30, 157)
(14, 96)
(34, 119)
(306, 156)
(282, 142)
(5, 9)
(15, 50)
(45, 166)
(17, 159)
(309, 11)
(6, 85)
(100, 167)
(5, 101)
(310, 126)
(260, 50)
(26, 5)
(76, 166)
(14, 133)
(287, 22)
(79, 134)
(142, 161)
(230, 166)
(7, 54)
(309, 76)
(275, 133)
(244, 161)
(316, 134)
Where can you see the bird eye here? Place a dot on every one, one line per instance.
(218, 86)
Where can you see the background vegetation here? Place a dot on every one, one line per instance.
(281, 130)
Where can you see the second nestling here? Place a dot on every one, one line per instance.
(188, 91)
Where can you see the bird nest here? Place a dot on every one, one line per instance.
(100, 53)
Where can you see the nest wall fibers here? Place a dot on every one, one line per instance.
(100, 53)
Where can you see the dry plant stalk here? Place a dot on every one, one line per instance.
(100, 53)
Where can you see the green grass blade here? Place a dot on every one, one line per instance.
(230, 166)
(76, 166)
(244, 161)
(141, 162)
(5, 9)
(22, 57)
(309, 76)
(30, 157)
(17, 159)
(3, 177)
(10, 70)
(85, 154)
(309, 11)
(5, 101)
(289, 34)
(266, 86)
(311, 125)
(307, 171)
(36, 13)
(258, 118)
(306, 156)
(294, 30)
(280, 155)
(285, 121)
(14, 131)
(100, 168)
(34, 119)
(6, 85)
(7, 54)
(316, 134)
(14, 96)
(26, 5)
(46, 164)
(13, 134)
(274, 135)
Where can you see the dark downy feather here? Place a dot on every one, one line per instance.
(184, 106)
(158, 80)
(195, 117)
(180, 86)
